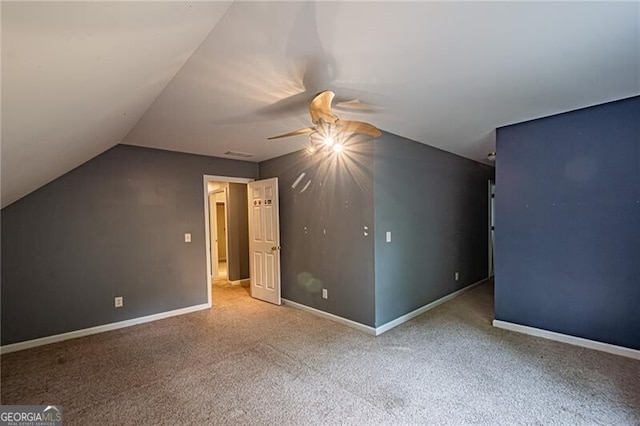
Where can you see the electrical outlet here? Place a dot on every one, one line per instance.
(388, 236)
(325, 293)
(457, 276)
(187, 238)
(118, 301)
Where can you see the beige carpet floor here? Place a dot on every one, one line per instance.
(246, 362)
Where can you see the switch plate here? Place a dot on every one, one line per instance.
(388, 236)
(187, 238)
(325, 293)
(118, 302)
(457, 276)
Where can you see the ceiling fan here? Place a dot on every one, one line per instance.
(329, 130)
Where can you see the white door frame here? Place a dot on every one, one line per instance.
(226, 227)
(214, 232)
(492, 252)
(213, 235)
(207, 230)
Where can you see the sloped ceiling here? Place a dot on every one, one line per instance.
(441, 73)
(77, 76)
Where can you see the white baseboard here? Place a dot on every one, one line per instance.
(14, 347)
(404, 318)
(326, 315)
(385, 327)
(572, 340)
(244, 282)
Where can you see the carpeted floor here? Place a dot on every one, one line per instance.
(247, 362)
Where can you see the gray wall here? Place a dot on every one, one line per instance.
(322, 239)
(568, 223)
(111, 227)
(434, 203)
(238, 220)
(436, 206)
(115, 227)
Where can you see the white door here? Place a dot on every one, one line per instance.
(264, 240)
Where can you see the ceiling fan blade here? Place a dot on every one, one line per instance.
(295, 104)
(356, 105)
(320, 108)
(294, 133)
(358, 127)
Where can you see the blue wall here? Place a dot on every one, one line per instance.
(568, 223)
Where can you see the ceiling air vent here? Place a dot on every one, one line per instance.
(238, 154)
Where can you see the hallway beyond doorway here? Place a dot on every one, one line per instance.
(222, 276)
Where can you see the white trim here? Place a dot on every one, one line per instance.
(14, 347)
(213, 178)
(491, 243)
(246, 282)
(212, 218)
(226, 227)
(331, 317)
(207, 238)
(385, 327)
(572, 340)
(215, 252)
(404, 318)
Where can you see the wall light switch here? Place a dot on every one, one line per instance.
(325, 294)
(187, 238)
(457, 276)
(388, 236)
(118, 302)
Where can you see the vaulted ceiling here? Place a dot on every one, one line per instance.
(209, 77)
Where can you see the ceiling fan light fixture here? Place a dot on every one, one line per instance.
(329, 132)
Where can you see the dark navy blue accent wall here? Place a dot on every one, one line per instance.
(568, 223)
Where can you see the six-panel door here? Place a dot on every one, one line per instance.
(264, 240)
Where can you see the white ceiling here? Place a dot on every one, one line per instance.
(77, 76)
(210, 77)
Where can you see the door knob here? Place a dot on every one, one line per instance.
(275, 248)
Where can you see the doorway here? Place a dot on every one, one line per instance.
(252, 247)
(221, 225)
(226, 232)
(218, 199)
